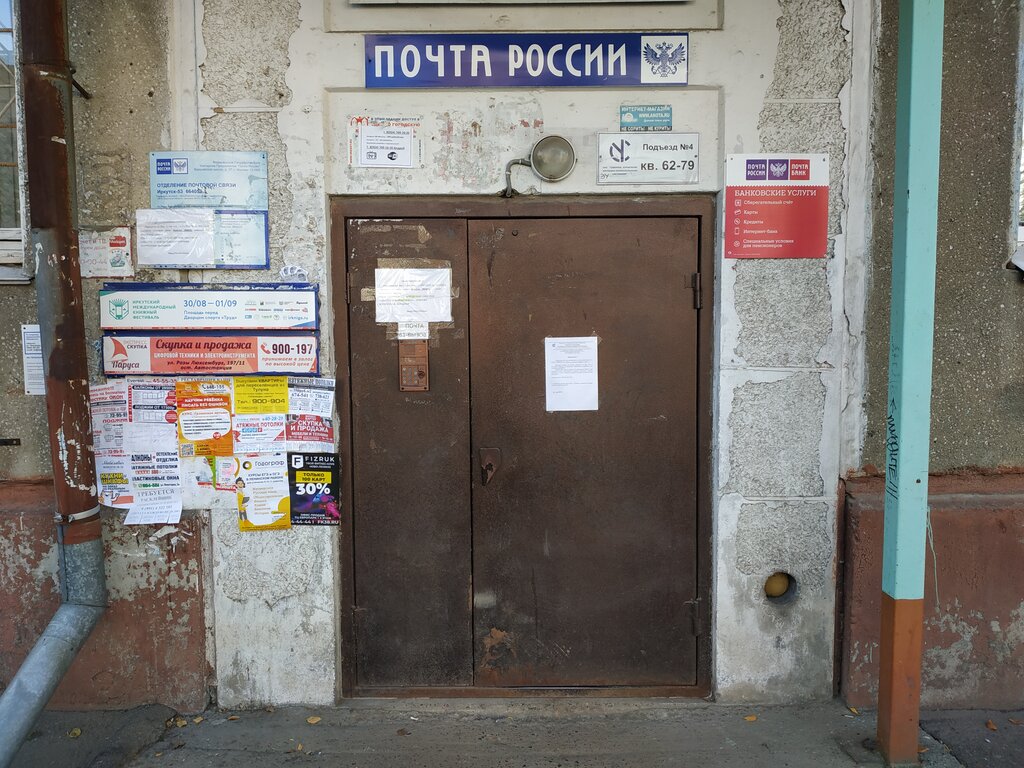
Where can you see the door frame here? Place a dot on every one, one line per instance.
(702, 206)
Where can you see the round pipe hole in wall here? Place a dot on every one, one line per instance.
(780, 588)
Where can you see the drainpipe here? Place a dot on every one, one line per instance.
(41, 41)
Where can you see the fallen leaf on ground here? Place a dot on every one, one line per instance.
(232, 717)
(180, 721)
(157, 754)
(299, 748)
(197, 720)
(403, 732)
(313, 720)
(750, 718)
(991, 726)
(922, 750)
(854, 710)
(1015, 721)
(74, 733)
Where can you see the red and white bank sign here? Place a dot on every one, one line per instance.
(776, 206)
(210, 355)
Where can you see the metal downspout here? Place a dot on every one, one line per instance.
(45, 80)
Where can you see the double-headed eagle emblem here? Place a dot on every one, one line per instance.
(663, 58)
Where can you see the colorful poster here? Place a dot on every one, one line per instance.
(776, 206)
(261, 484)
(307, 432)
(314, 485)
(114, 481)
(261, 394)
(204, 418)
(106, 253)
(161, 307)
(179, 179)
(210, 355)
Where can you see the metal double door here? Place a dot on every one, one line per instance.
(496, 544)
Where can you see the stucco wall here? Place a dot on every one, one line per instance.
(773, 77)
(978, 383)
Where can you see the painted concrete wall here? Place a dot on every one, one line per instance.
(978, 385)
(765, 77)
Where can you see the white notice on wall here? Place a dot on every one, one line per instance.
(32, 360)
(175, 237)
(107, 253)
(414, 331)
(413, 295)
(385, 147)
(570, 373)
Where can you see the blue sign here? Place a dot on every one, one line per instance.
(645, 117)
(181, 179)
(527, 60)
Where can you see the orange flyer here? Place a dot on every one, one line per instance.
(204, 418)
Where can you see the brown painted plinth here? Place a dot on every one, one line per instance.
(973, 604)
(899, 685)
(149, 646)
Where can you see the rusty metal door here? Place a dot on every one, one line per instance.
(496, 544)
(584, 534)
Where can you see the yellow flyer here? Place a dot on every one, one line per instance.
(261, 394)
(261, 483)
(204, 418)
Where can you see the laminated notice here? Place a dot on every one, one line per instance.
(413, 295)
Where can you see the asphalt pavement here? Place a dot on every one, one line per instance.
(520, 733)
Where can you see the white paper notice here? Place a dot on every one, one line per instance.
(310, 397)
(413, 295)
(155, 506)
(175, 237)
(382, 146)
(32, 360)
(107, 253)
(570, 373)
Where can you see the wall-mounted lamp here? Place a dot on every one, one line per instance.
(552, 158)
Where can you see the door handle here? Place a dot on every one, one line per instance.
(490, 461)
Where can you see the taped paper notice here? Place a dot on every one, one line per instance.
(32, 360)
(204, 418)
(175, 237)
(570, 368)
(261, 483)
(413, 295)
(107, 253)
(155, 506)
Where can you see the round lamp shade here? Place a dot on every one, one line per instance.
(553, 158)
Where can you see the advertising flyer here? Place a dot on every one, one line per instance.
(210, 355)
(32, 360)
(152, 415)
(157, 488)
(113, 480)
(261, 394)
(311, 396)
(776, 206)
(259, 432)
(313, 482)
(261, 484)
(179, 179)
(106, 253)
(306, 432)
(204, 418)
(108, 404)
(169, 307)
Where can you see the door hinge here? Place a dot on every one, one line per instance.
(696, 617)
(695, 284)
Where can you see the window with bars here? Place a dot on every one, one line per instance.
(11, 251)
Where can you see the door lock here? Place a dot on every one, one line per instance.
(490, 461)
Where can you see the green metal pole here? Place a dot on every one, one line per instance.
(915, 220)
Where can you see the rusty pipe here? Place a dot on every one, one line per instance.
(40, 28)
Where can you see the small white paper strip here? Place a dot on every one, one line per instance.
(414, 330)
(175, 237)
(32, 360)
(570, 373)
(413, 295)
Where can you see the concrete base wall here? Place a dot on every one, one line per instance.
(149, 646)
(974, 605)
